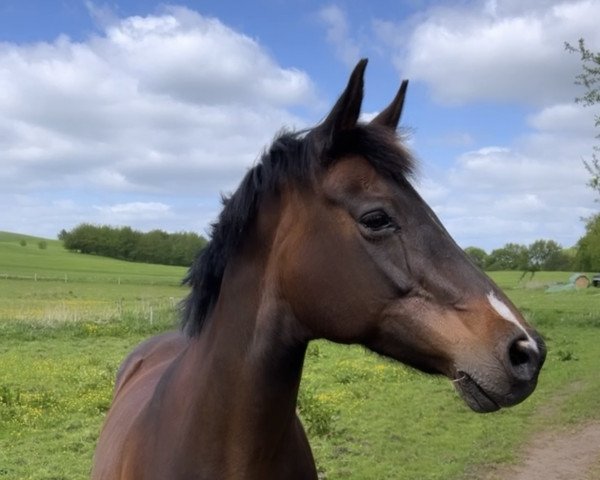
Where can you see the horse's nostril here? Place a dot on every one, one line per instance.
(520, 352)
(524, 359)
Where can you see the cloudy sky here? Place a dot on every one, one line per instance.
(141, 113)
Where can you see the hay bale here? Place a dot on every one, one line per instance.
(579, 280)
(576, 281)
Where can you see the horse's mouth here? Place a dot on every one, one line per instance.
(474, 395)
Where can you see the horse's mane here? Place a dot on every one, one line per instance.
(293, 158)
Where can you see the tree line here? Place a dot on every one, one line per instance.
(545, 255)
(161, 247)
(124, 243)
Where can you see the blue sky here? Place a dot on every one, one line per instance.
(140, 113)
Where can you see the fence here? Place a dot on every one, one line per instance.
(138, 280)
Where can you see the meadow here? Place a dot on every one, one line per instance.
(67, 320)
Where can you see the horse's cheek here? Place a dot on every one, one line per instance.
(320, 290)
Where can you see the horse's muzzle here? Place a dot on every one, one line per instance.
(504, 387)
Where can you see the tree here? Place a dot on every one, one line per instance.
(510, 257)
(127, 240)
(154, 247)
(587, 258)
(478, 255)
(83, 238)
(547, 255)
(127, 244)
(590, 79)
(539, 252)
(562, 261)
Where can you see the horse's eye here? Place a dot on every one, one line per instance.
(376, 221)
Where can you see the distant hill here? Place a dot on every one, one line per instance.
(55, 262)
(17, 237)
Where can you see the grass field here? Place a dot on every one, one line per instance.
(54, 285)
(368, 418)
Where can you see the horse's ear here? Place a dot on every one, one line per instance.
(390, 116)
(346, 110)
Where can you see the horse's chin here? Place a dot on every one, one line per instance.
(475, 396)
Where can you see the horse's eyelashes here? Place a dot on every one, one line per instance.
(377, 220)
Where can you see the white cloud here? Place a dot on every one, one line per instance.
(39, 216)
(135, 208)
(338, 34)
(200, 60)
(566, 117)
(507, 51)
(150, 214)
(495, 50)
(168, 101)
(533, 188)
(120, 127)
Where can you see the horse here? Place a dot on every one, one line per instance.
(325, 238)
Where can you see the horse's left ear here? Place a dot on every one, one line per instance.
(346, 110)
(390, 116)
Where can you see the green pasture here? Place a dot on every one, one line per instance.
(368, 418)
(54, 286)
(57, 264)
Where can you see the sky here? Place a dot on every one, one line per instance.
(143, 113)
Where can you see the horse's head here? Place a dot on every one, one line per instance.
(363, 259)
(327, 231)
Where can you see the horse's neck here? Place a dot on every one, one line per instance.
(242, 375)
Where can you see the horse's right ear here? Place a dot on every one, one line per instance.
(346, 110)
(390, 116)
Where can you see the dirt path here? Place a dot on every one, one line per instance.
(560, 455)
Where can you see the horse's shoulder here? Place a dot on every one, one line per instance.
(154, 351)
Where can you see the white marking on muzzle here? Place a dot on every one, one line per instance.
(506, 313)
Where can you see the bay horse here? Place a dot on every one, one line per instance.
(324, 238)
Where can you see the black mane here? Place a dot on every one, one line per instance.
(294, 157)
